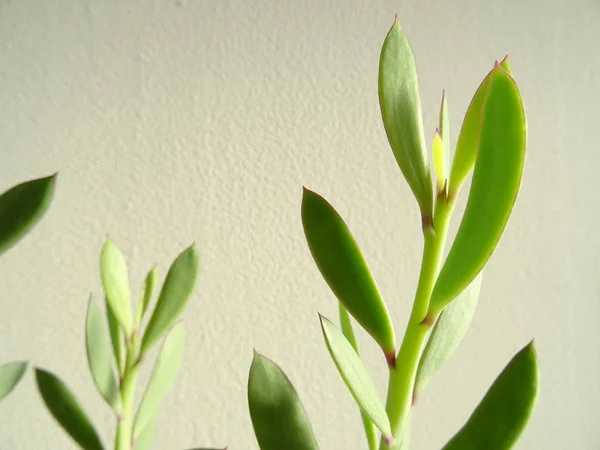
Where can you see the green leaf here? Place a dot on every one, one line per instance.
(468, 138)
(342, 265)
(115, 279)
(115, 337)
(447, 333)
(10, 375)
(444, 129)
(143, 441)
(63, 405)
(176, 291)
(165, 370)
(356, 377)
(439, 161)
(401, 112)
(494, 189)
(277, 414)
(348, 331)
(500, 418)
(22, 207)
(147, 293)
(99, 356)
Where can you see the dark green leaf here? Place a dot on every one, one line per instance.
(147, 293)
(278, 417)
(342, 265)
(22, 207)
(356, 377)
(66, 410)
(176, 291)
(10, 375)
(494, 189)
(115, 337)
(500, 418)
(401, 112)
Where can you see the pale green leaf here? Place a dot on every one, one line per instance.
(116, 337)
(176, 292)
(164, 373)
(99, 355)
(64, 407)
(402, 117)
(22, 207)
(494, 189)
(356, 377)
(10, 375)
(345, 270)
(147, 292)
(115, 279)
(277, 414)
(499, 420)
(447, 333)
(143, 441)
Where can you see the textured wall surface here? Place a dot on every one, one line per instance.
(199, 120)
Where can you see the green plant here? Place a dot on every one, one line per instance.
(21, 208)
(117, 344)
(491, 144)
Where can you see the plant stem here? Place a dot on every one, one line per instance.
(124, 437)
(402, 376)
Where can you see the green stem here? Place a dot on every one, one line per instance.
(402, 376)
(124, 439)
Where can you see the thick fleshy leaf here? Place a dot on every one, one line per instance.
(165, 370)
(468, 138)
(344, 268)
(99, 355)
(63, 405)
(143, 441)
(277, 414)
(500, 418)
(116, 337)
(147, 293)
(447, 333)
(10, 375)
(176, 291)
(22, 207)
(115, 279)
(494, 189)
(356, 377)
(401, 112)
(348, 331)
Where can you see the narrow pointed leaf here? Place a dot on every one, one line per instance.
(176, 291)
(115, 279)
(165, 370)
(468, 138)
(64, 407)
(22, 207)
(115, 337)
(439, 163)
(500, 418)
(10, 375)
(277, 414)
(147, 294)
(447, 333)
(401, 112)
(355, 376)
(444, 128)
(99, 355)
(348, 331)
(143, 441)
(344, 268)
(494, 189)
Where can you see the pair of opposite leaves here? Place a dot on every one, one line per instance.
(493, 140)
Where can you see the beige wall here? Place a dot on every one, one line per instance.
(197, 120)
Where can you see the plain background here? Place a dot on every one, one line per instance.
(183, 121)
